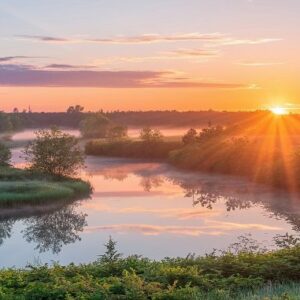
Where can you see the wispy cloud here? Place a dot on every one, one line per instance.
(236, 41)
(67, 66)
(27, 75)
(140, 39)
(220, 38)
(13, 58)
(180, 54)
(258, 64)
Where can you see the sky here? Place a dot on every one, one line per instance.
(149, 54)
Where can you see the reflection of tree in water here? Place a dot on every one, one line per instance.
(208, 190)
(53, 231)
(5, 229)
(150, 182)
(278, 203)
(207, 194)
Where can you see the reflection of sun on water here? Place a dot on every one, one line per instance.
(279, 111)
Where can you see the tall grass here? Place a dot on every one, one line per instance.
(17, 186)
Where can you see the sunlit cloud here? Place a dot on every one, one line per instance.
(234, 41)
(258, 64)
(195, 55)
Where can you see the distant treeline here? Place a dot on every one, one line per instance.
(73, 118)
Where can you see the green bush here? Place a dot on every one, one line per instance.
(272, 275)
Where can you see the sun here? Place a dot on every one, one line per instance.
(279, 111)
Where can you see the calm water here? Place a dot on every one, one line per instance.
(150, 209)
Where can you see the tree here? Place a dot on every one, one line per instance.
(5, 155)
(55, 153)
(149, 135)
(190, 137)
(118, 132)
(211, 132)
(5, 122)
(95, 126)
(75, 109)
(111, 254)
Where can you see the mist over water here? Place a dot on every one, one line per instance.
(151, 209)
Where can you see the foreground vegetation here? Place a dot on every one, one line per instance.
(243, 275)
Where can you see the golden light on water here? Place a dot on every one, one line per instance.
(279, 111)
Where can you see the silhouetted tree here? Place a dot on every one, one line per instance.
(118, 132)
(190, 137)
(149, 135)
(75, 109)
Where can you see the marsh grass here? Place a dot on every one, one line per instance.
(17, 186)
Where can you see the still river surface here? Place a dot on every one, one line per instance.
(150, 208)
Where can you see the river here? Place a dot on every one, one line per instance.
(150, 209)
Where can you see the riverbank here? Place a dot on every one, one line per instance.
(247, 275)
(268, 160)
(18, 185)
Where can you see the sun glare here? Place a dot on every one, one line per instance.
(279, 111)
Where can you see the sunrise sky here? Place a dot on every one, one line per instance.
(149, 54)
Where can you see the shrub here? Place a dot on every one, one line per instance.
(54, 152)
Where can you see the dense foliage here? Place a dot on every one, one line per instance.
(54, 152)
(214, 149)
(131, 149)
(5, 155)
(95, 126)
(74, 115)
(10, 122)
(227, 276)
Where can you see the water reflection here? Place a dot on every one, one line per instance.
(207, 190)
(151, 209)
(53, 231)
(50, 227)
(5, 229)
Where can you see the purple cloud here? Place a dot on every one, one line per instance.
(27, 75)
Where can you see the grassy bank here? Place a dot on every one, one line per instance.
(272, 275)
(270, 159)
(18, 186)
(132, 148)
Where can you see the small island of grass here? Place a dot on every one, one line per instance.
(53, 160)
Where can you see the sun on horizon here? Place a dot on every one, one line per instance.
(279, 110)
